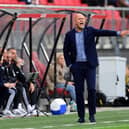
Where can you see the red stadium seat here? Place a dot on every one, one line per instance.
(67, 2)
(113, 19)
(112, 14)
(11, 2)
(59, 92)
(43, 2)
(60, 2)
(73, 3)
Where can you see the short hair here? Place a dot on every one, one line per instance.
(11, 48)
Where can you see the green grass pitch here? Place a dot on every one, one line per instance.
(116, 119)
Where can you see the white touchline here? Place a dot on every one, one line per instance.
(106, 127)
(108, 122)
(68, 125)
(47, 127)
(22, 128)
(123, 120)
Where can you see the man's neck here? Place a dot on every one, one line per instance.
(78, 29)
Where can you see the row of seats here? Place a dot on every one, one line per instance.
(113, 20)
(108, 13)
(68, 2)
(46, 2)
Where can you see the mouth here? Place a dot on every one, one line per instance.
(81, 23)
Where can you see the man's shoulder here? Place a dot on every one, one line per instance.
(70, 32)
(90, 28)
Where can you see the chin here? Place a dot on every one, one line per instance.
(81, 27)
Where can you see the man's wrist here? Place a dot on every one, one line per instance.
(118, 33)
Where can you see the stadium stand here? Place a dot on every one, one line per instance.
(11, 2)
(47, 2)
(113, 18)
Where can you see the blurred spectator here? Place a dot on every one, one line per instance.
(26, 1)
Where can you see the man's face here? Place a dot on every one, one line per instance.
(80, 21)
(9, 56)
(14, 53)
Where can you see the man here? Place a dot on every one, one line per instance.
(81, 57)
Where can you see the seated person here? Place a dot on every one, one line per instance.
(60, 81)
(28, 87)
(14, 74)
(31, 89)
(7, 88)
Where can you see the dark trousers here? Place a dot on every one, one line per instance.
(32, 97)
(82, 71)
(4, 94)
